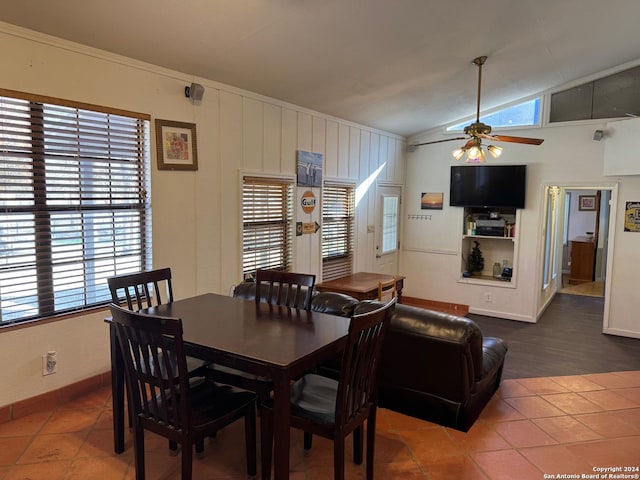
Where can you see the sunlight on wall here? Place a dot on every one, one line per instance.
(364, 186)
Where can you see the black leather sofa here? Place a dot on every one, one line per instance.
(435, 366)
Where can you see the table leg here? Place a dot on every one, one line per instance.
(117, 391)
(281, 440)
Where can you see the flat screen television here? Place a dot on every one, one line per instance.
(488, 186)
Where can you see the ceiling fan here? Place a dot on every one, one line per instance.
(478, 130)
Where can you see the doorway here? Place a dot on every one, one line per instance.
(584, 254)
(576, 241)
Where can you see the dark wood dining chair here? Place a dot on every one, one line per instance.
(334, 409)
(149, 289)
(165, 401)
(387, 289)
(142, 289)
(287, 289)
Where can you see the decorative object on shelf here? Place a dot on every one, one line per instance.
(418, 217)
(176, 145)
(475, 262)
(497, 270)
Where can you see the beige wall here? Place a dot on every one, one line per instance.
(196, 227)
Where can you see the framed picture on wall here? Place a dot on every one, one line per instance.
(176, 145)
(586, 202)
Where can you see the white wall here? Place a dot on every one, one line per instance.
(568, 156)
(196, 215)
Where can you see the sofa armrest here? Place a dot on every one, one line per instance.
(443, 326)
(493, 352)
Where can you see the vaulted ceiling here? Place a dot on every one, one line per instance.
(402, 66)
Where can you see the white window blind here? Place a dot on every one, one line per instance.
(74, 207)
(338, 224)
(267, 217)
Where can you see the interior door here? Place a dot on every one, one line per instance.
(388, 228)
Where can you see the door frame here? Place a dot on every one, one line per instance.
(542, 302)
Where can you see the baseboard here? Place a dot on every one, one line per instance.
(49, 400)
(447, 307)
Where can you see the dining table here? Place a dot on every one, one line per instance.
(361, 285)
(277, 342)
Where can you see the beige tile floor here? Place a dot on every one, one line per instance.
(532, 427)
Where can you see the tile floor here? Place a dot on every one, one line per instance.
(532, 427)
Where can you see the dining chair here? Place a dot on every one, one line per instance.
(293, 290)
(148, 289)
(386, 289)
(334, 409)
(165, 401)
(145, 290)
(288, 289)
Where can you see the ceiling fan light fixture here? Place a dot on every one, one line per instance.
(458, 153)
(494, 151)
(476, 155)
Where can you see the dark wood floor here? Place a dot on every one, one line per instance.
(567, 340)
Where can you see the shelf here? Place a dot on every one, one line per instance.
(487, 280)
(513, 239)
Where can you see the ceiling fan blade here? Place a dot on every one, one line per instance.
(438, 141)
(507, 138)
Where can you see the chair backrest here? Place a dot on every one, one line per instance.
(161, 394)
(286, 289)
(142, 289)
(358, 378)
(387, 288)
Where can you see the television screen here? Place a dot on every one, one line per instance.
(488, 186)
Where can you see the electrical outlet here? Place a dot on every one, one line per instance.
(488, 297)
(49, 363)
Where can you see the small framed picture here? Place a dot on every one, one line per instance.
(431, 201)
(586, 202)
(176, 145)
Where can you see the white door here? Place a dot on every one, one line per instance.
(388, 230)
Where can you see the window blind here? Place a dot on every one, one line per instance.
(267, 217)
(74, 205)
(338, 220)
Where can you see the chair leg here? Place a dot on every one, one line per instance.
(138, 447)
(250, 441)
(338, 458)
(173, 448)
(308, 441)
(200, 448)
(357, 445)
(266, 442)
(187, 461)
(371, 438)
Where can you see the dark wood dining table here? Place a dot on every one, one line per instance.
(276, 342)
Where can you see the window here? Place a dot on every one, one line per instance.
(338, 210)
(613, 96)
(521, 115)
(74, 208)
(390, 208)
(267, 219)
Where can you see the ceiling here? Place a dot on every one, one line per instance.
(402, 66)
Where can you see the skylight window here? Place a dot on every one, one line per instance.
(521, 115)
